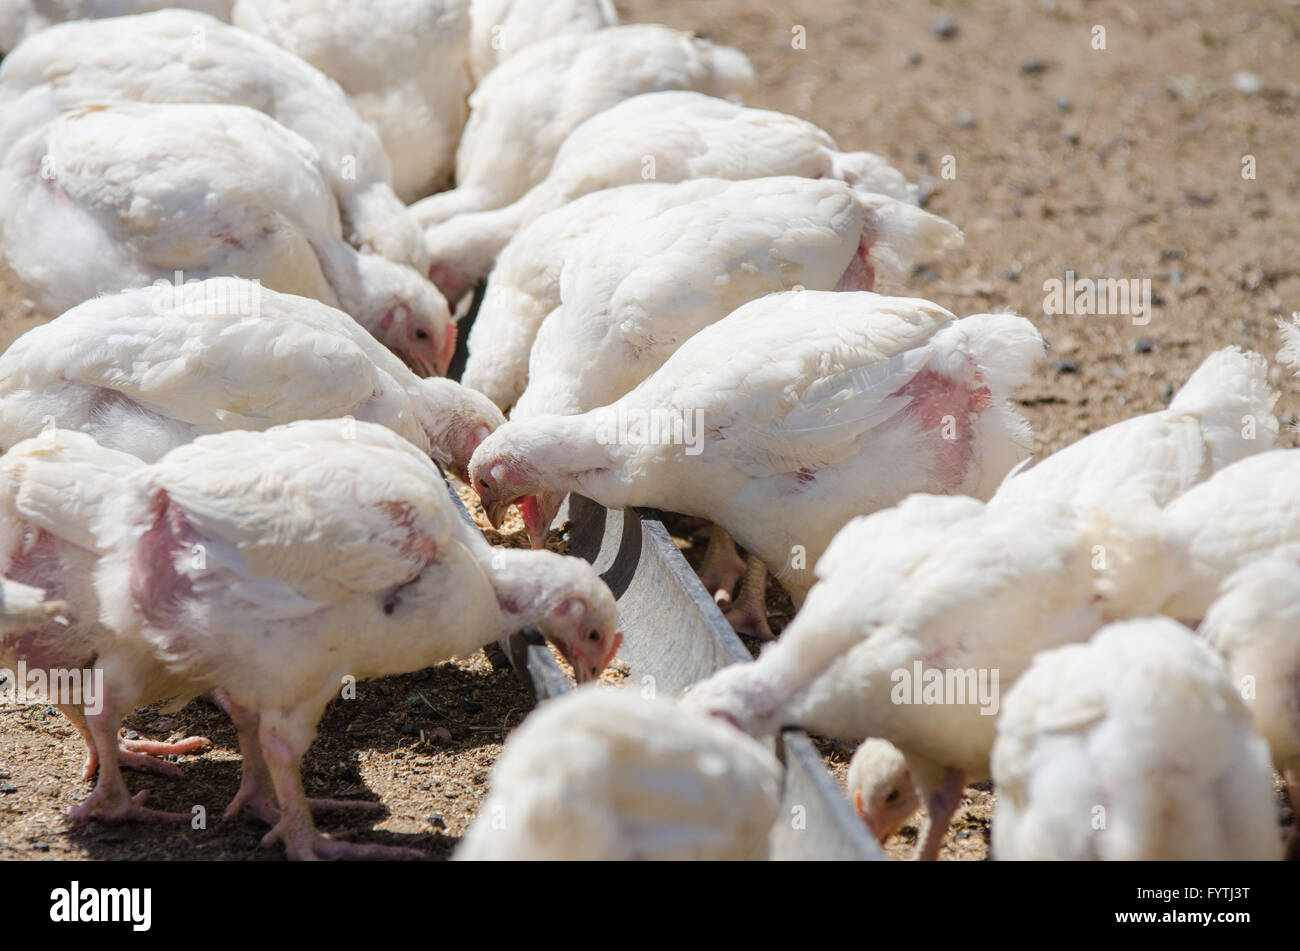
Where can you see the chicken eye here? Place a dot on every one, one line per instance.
(422, 334)
(593, 635)
(892, 797)
(484, 483)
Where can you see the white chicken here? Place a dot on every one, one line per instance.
(179, 56)
(329, 552)
(54, 492)
(404, 63)
(1131, 747)
(827, 405)
(147, 370)
(523, 111)
(604, 775)
(106, 198)
(1255, 625)
(922, 614)
(20, 19)
(498, 29)
(632, 292)
(1236, 516)
(662, 137)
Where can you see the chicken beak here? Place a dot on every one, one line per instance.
(582, 674)
(881, 834)
(496, 512)
(613, 650)
(420, 366)
(574, 659)
(448, 349)
(857, 807)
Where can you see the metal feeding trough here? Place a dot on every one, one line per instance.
(676, 636)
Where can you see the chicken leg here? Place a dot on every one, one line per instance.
(941, 803)
(110, 799)
(256, 793)
(295, 828)
(748, 615)
(722, 566)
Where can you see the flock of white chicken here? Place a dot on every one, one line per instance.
(219, 472)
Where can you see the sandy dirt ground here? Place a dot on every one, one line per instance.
(1153, 158)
